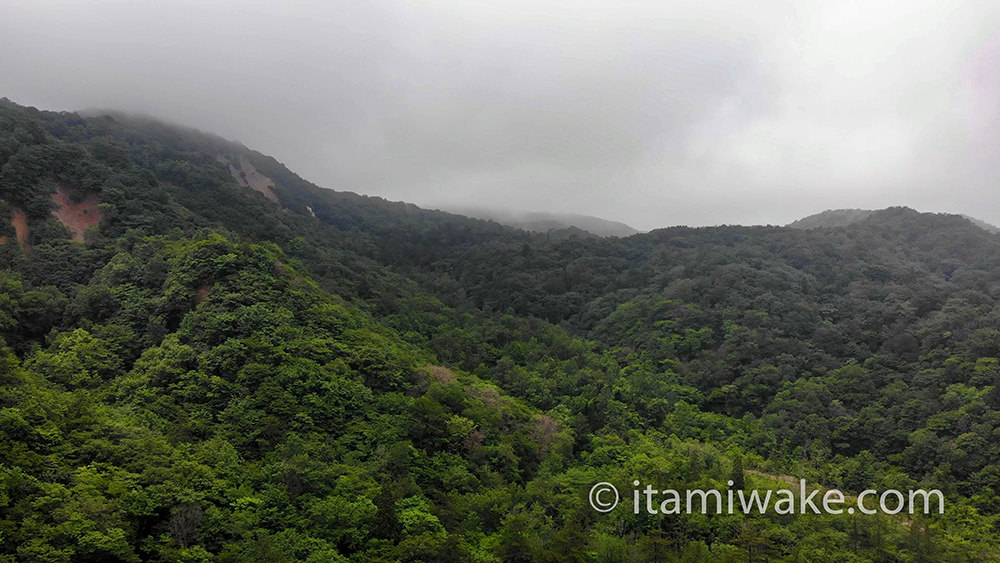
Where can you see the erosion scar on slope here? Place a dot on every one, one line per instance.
(77, 216)
(20, 223)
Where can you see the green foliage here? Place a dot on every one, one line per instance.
(214, 377)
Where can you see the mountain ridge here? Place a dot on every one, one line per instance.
(832, 218)
(543, 221)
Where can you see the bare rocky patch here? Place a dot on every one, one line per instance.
(77, 211)
(249, 177)
(21, 231)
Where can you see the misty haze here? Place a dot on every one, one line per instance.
(650, 115)
(520, 282)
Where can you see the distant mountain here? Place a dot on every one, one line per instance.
(542, 222)
(983, 224)
(831, 218)
(843, 217)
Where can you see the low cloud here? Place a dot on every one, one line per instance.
(651, 114)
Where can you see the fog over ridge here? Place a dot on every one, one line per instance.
(650, 114)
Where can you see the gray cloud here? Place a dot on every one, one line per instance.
(652, 113)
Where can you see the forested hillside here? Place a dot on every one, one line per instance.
(204, 357)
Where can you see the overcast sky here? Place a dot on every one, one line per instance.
(652, 113)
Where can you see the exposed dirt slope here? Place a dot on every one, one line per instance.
(249, 177)
(78, 216)
(20, 223)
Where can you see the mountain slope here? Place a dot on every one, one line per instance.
(215, 375)
(843, 217)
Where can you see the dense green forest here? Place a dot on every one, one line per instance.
(204, 357)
